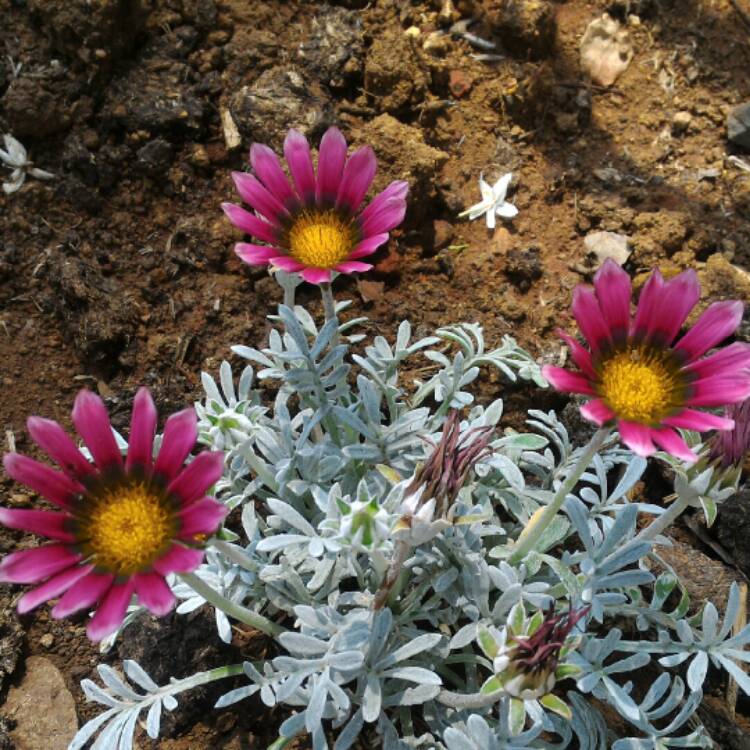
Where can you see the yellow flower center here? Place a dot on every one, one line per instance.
(123, 529)
(321, 239)
(640, 385)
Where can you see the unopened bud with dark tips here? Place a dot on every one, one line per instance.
(730, 447)
(527, 655)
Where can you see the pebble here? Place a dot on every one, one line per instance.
(738, 125)
(42, 708)
(459, 83)
(608, 245)
(47, 640)
(681, 122)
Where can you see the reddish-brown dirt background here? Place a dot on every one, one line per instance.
(120, 272)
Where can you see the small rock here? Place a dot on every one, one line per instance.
(608, 245)
(523, 25)
(443, 231)
(523, 267)
(606, 50)
(47, 640)
(459, 83)
(681, 122)
(42, 707)
(738, 125)
(437, 43)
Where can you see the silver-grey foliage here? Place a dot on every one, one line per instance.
(388, 593)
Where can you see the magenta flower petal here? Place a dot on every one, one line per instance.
(111, 612)
(368, 246)
(678, 297)
(92, 423)
(318, 231)
(700, 421)
(725, 361)
(266, 166)
(249, 223)
(286, 263)
(52, 588)
(648, 304)
(637, 437)
(32, 565)
(316, 275)
(353, 266)
(202, 517)
(255, 255)
(54, 441)
(720, 390)
(597, 411)
(83, 594)
(154, 593)
(717, 322)
(299, 159)
(142, 431)
(396, 190)
(179, 559)
(590, 320)
(390, 215)
(251, 191)
(613, 292)
(567, 381)
(180, 434)
(672, 443)
(57, 487)
(200, 474)
(581, 356)
(41, 522)
(359, 173)
(331, 160)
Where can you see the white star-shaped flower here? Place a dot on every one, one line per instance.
(493, 201)
(15, 157)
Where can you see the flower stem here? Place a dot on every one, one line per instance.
(533, 532)
(213, 597)
(329, 307)
(665, 520)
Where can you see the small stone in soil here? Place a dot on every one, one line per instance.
(608, 245)
(42, 707)
(738, 125)
(47, 640)
(681, 122)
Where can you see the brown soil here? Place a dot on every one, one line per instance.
(121, 272)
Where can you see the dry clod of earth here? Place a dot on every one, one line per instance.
(280, 98)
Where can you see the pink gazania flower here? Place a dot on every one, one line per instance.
(314, 226)
(122, 525)
(638, 375)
